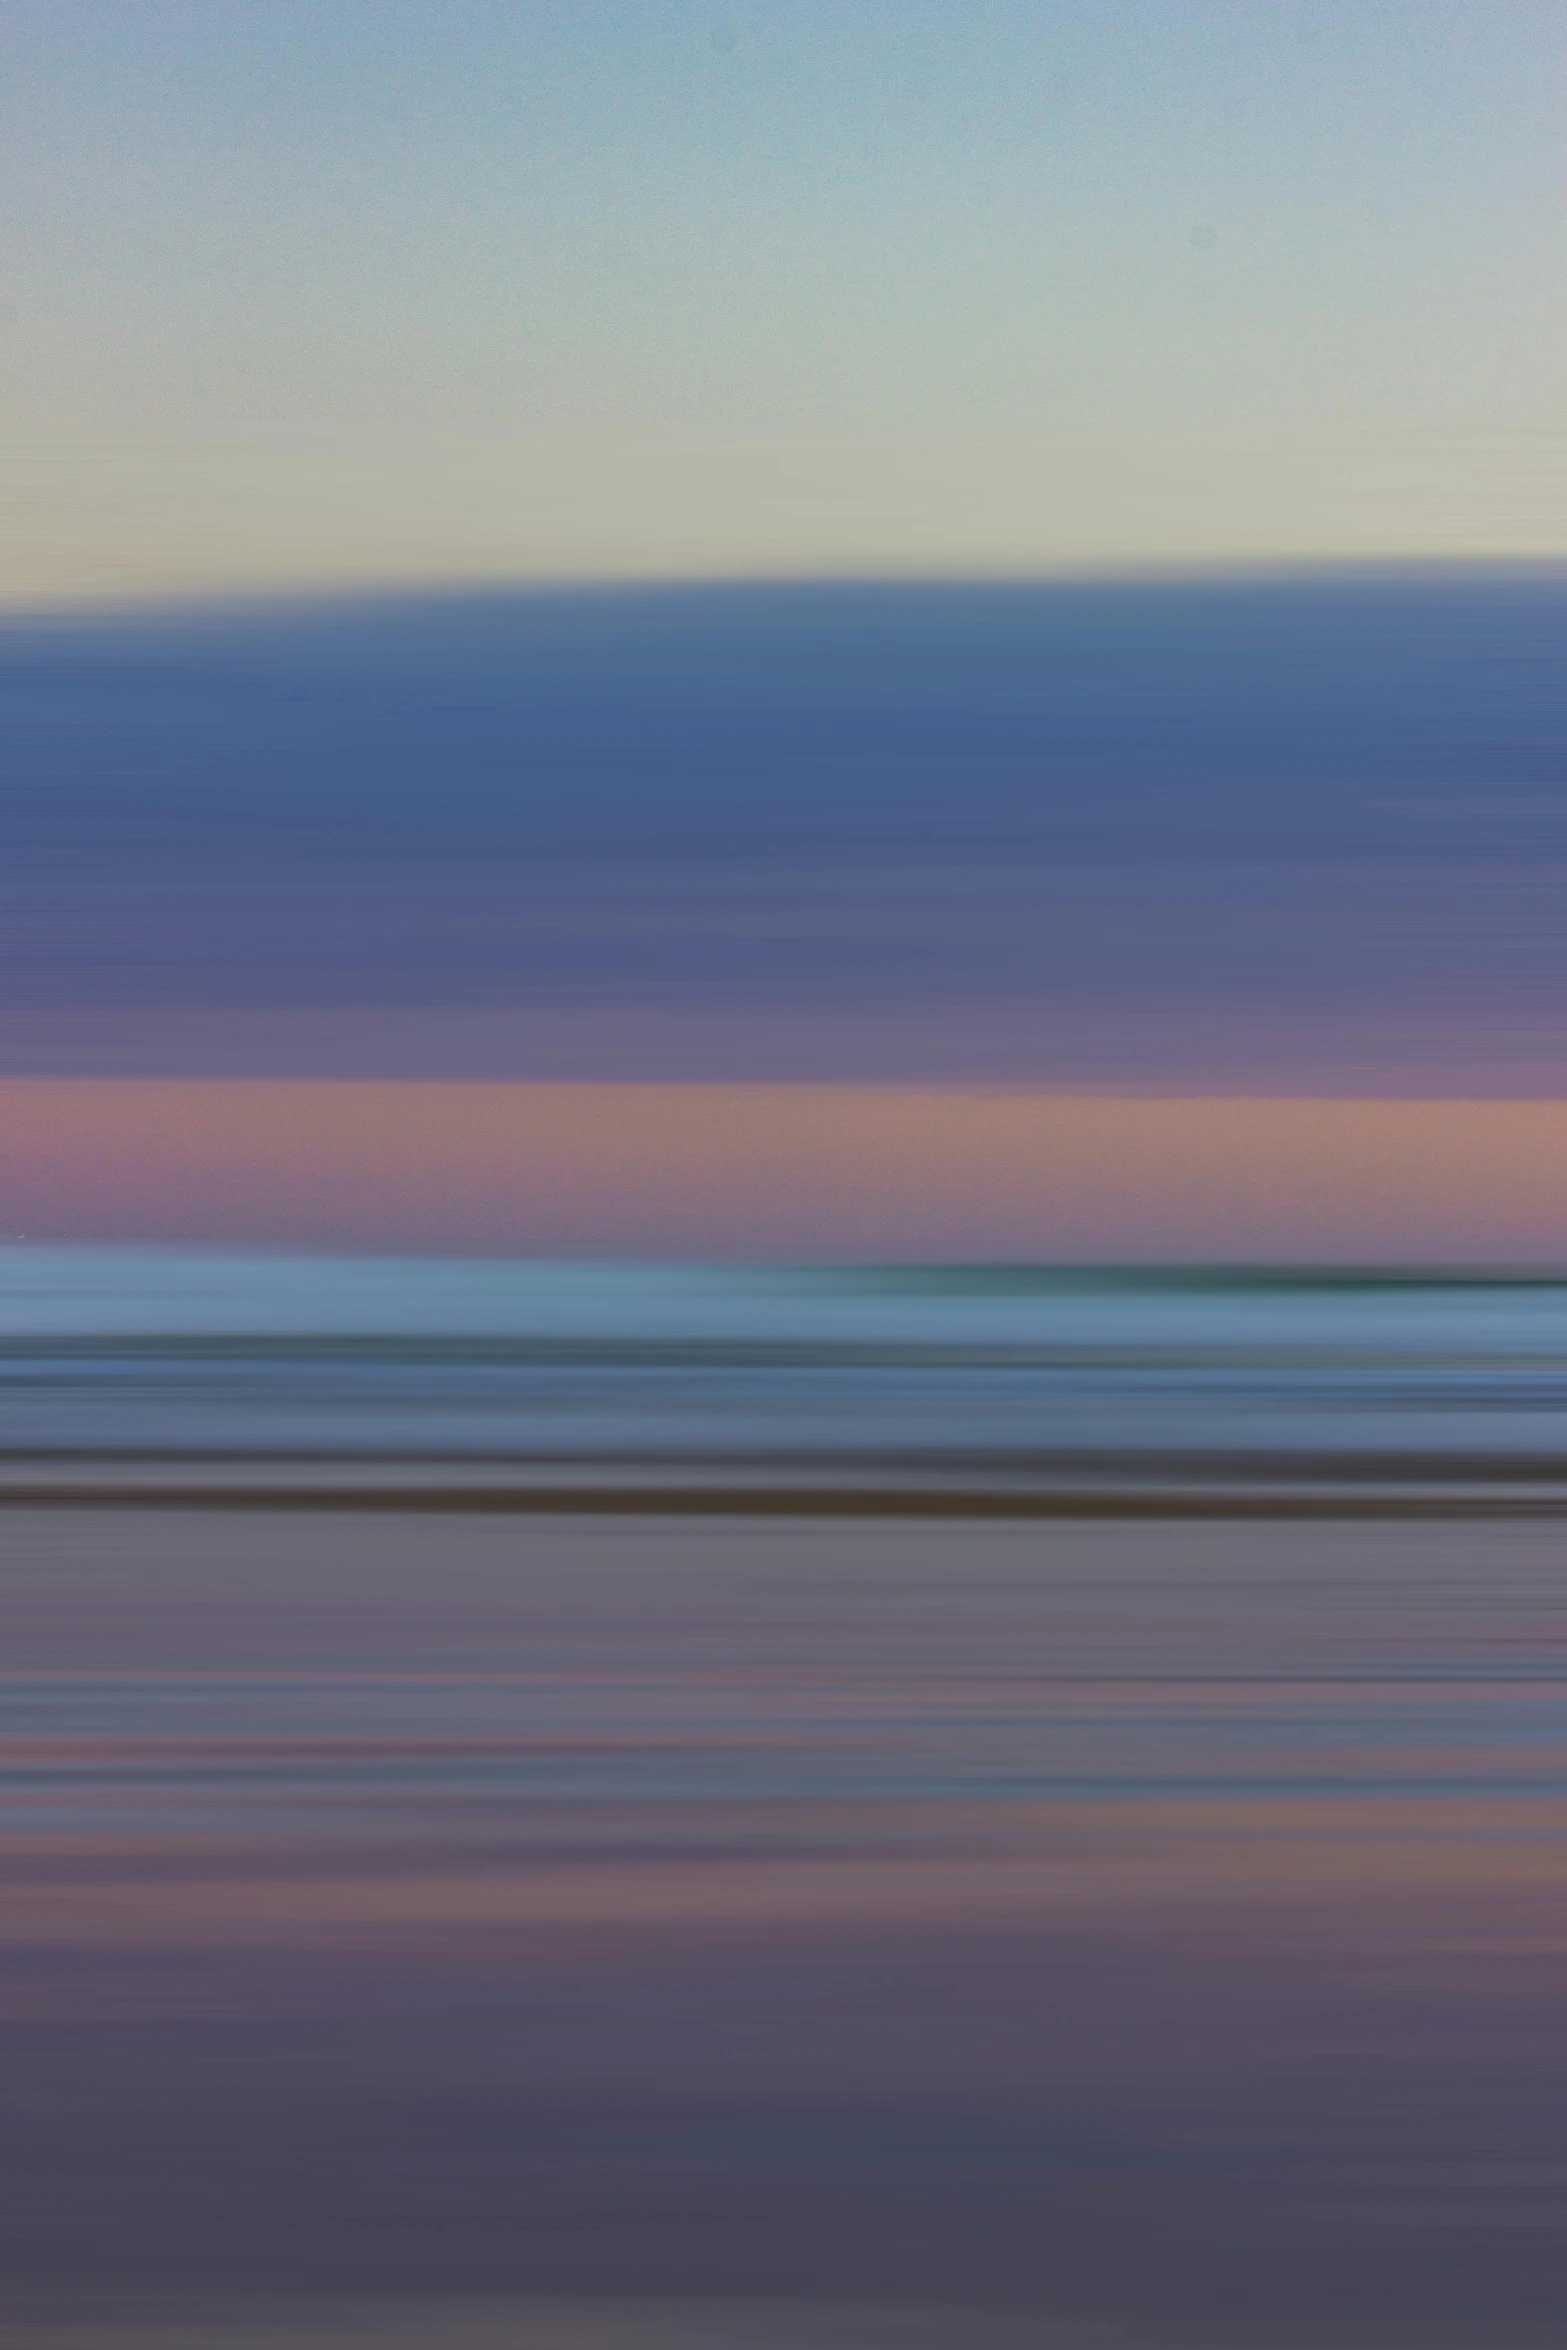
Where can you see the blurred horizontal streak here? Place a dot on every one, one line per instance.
(352, 2322)
(1154, 1042)
(456, 1497)
(1208, 834)
(705, 1172)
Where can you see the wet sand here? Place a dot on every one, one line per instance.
(461, 1929)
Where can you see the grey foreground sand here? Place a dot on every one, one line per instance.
(523, 2325)
(708, 1934)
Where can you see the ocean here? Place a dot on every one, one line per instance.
(1024, 1374)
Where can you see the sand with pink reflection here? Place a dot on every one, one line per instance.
(631, 1932)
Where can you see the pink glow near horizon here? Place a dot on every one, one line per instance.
(780, 1172)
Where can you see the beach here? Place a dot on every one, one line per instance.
(631, 1929)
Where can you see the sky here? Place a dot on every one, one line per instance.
(1014, 549)
(783, 1173)
(384, 292)
(1296, 836)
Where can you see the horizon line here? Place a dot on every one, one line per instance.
(231, 598)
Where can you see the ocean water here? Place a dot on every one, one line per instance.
(960, 1370)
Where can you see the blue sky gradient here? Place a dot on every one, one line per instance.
(386, 292)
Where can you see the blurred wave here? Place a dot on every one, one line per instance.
(1017, 1375)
